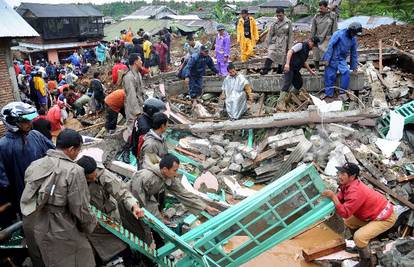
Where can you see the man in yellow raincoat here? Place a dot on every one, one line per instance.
(247, 35)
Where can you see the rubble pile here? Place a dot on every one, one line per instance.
(400, 36)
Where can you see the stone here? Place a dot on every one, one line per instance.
(218, 149)
(235, 167)
(248, 152)
(238, 158)
(169, 213)
(225, 162)
(209, 162)
(215, 169)
(217, 139)
(233, 145)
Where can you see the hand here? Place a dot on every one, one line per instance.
(312, 72)
(286, 68)
(137, 211)
(212, 211)
(226, 59)
(328, 193)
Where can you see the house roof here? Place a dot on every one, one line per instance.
(369, 22)
(12, 24)
(276, 3)
(152, 26)
(147, 12)
(58, 10)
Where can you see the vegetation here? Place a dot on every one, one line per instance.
(399, 9)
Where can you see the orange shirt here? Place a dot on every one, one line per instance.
(115, 100)
(128, 37)
(51, 85)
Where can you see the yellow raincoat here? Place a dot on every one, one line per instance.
(247, 44)
(39, 85)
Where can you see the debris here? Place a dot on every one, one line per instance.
(236, 190)
(324, 249)
(207, 181)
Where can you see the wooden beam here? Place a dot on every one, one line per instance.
(380, 55)
(282, 120)
(324, 249)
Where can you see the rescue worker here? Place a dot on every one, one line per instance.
(107, 192)
(278, 42)
(324, 24)
(195, 70)
(247, 35)
(147, 184)
(342, 43)
(222, 49)
(154, 146)
(366, 212)
(134, 91)
(143, 123)
(295, 60)
(237, 93)
(55, 205)
(19, 147)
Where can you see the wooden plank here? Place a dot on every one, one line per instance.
(261, 103)
(191, 154)
(406, 178)
(270, 153)
(380, 55)
(324, 249)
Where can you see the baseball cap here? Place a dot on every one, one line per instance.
(204, 48)
(349, 168)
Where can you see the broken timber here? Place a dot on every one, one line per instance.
(324, 249)
(282, 120)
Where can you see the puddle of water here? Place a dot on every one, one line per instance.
(289, 252)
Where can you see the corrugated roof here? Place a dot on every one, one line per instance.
(149, 25)
(369, 22)
(277, 3)
(151, 12)
(59, 10)
(12, 24)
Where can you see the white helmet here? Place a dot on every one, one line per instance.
(15, 112)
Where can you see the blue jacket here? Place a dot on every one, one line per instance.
(16, 154)
(196, 66)
(339, 47)
(75, 60)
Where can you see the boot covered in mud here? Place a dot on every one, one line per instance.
(281, 101)
(365, 257)
(267, 66)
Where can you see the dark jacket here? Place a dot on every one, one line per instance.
(98, 90)
(196, 66)
(16, 154)
(299, 58)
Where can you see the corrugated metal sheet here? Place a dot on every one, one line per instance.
(149, 25)
(59, 10)
(12, 24)
(156, 12)
(369, 22)
(277, 3)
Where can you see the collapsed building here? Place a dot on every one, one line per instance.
(266, 171)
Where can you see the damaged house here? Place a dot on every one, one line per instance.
(62, 28)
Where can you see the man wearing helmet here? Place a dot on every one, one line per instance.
(18, 148)
(342, 43)
(143, 123)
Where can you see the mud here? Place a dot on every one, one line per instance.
(289, 252)
(402, 36)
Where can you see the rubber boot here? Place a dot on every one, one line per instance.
(267, 66)
(279, 69)
(364, 257)
(317, 66)
(281, 101)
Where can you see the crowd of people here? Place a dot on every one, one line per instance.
(50, 186)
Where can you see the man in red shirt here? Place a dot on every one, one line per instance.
(118, 66)
(366, 212)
